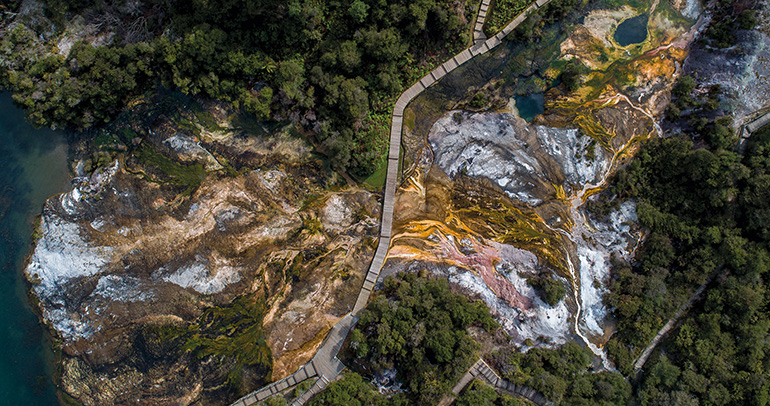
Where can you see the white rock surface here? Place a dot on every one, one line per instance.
(337, 213)
(541, 320)
(198, 276)
(615, 237)
(190, 150)
(60, 256)
(514, 155)
(122, 288)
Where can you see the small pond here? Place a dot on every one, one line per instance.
(632, 31)
(530, 106)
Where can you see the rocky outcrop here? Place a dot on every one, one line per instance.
(524, 161)
(741, 71)
(142, 279)
(689, 8)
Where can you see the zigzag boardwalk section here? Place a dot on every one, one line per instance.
(304, 372)
(483, 372)
(325, 364)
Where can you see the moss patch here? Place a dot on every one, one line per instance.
(186, 176)
(377, 178)
(232, 333)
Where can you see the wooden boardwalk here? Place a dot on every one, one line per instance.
(478, 30)
(483, 372)
(760, 122)
(750, 128)
(325, 364)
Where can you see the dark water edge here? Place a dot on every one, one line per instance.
(632, 31)
(34, 167)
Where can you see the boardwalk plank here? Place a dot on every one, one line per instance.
(427, 80)
(450, 65)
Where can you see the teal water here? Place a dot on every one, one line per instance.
(530, 106)
(34, 167)
(632, 31)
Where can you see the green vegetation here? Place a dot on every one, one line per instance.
(353, 390)
(275, 400)
(233, 331)
(334, 66)
(719, 354)
(188, 177)
(699, 113)
(501, 13)
(479, 101)
(418, 326)
(88, 88)
(551, 291)
(707, 212)
(572, 75)
(728, 17)
(563, 376)
(231, 335)
(303, 387)
(481, 394)
(686, 198)
(378, 177)
(9, 6)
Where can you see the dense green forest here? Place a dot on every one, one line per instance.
(727, 15)
(694, 213)
(333, 66)
(353, 390)
(706, 208)
(416, 325)
(708, 215)
(503, 12)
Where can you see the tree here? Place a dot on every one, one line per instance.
(290, 76)
(358, 11)
(354, 100)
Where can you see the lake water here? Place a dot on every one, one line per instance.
(34, 167)
(632, 31)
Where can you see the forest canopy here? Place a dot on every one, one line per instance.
(418, 326)
(335, 67)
